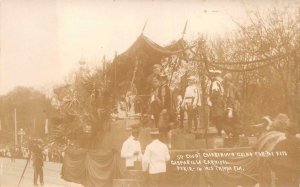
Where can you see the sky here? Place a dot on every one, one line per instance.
(43, 41)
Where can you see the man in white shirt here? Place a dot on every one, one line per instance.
(131, 149)
(154, 160)
(192, 102)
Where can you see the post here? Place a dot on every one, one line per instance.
(21, 133)
(16, 135)
(46, 126)
(21, 140)
(115, 77)
(297, 90)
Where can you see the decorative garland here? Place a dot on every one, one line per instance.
(243, 70)
(278, 57)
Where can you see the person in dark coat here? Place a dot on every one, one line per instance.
(272, 140)
(38, 162)
(217, 104)
(232, 123)
(161, 98)
(287, 165)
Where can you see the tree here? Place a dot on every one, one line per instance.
(32, 108)
(262, 55)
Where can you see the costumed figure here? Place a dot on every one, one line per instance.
(155, 103)
(216, 102)
(130, 101)
(232, 106)
(122, 107)
(164, 95)
(161, 97)
(192, 102)
(182, 87)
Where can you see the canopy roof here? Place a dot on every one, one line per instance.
(136, 63)
(145, 45)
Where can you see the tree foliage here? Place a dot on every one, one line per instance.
(83, 102)
(32, 109)
(272, 40)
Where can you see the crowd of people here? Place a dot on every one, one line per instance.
(14, 152)
(38, 153)
(17, 152)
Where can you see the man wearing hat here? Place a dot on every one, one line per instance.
(154, 160)
(192, 102)
(287, 168)
(270, 141)
(231, 95)
(152, 79)
(216, 101)
(38, 162)
(131, 149)
(161, 98)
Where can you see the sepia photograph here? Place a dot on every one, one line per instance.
(150, 93)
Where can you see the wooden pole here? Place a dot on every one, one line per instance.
(144, 26)
(16, 136)
(115, 78)
(205, 111)
(298, 73)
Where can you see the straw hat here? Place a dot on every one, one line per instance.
(192, 78)
(154, 131)
(134, 128)
(215, 71)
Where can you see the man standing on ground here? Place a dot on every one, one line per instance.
(38, 163)
(131, 149)
(154, 160)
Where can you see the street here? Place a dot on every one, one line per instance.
(10, 174)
